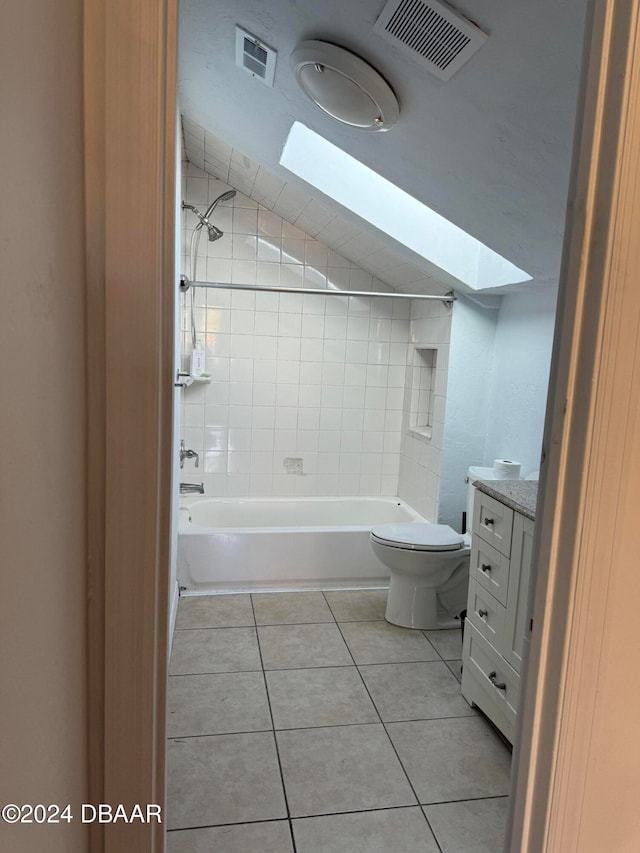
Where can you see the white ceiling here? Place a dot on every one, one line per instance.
(489, 150)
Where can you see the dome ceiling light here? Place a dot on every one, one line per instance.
(344, 85)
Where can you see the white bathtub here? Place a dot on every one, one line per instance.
(248, 544)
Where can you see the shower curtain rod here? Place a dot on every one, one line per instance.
(447, 298)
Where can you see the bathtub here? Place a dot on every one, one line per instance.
(240, 545)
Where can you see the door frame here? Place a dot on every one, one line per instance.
(577, 757)
(585, 523)
(130, 60)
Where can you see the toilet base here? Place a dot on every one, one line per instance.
(444, 624)
(411, 604)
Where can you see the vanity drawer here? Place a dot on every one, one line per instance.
(486, 614)
(489, 682)
(493, 522)
(490, 568)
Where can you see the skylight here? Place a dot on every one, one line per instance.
(395, 212)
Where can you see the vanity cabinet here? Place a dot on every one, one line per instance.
(500, 569)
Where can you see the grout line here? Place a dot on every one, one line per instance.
(409, 782)
(329, 726)
(420, 806)
(275, 739)
(222, 825)
(219, 734)
(213, 627)
(433, 832)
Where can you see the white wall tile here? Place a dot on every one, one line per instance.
(321, 377)
(266, 323)
(309, 395)
(265, 347)
(263, 417)
(286, 413)
(288, 372)
(286, 395)
(267, 274)
(311, 349)
(329, 440)
(313, 326)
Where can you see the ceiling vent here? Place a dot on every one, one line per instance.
(256, 57)
(430, 32)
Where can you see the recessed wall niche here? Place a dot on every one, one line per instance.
(421, 390)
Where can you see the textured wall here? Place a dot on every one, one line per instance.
(473, 330)
(520, 378)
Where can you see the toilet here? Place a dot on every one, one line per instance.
(429, 565)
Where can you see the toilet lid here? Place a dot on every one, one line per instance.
(418, 536)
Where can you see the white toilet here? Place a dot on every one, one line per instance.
(429, 566)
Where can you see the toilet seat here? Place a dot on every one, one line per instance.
(416, 536)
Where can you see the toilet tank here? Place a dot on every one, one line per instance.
(474, 473)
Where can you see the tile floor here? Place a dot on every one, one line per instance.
(305, 723)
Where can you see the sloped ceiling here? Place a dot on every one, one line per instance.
(490, 149)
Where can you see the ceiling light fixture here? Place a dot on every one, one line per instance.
(345, 86)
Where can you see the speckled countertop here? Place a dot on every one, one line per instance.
(520, 495)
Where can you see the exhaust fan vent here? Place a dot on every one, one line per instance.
(257, 58)
(431, 32)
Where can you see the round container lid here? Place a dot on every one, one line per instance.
(418, 536)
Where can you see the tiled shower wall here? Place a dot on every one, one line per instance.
(295, 376)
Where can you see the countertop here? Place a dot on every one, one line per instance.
(519, 495)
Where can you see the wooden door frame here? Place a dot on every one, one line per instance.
(577, 766)
(130, 61)
(130, 107)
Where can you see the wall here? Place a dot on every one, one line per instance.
(323, 379)
(473, 330)
(299, 376)
(522, 355)
(420, 463)
(497, 389)
(42, 421)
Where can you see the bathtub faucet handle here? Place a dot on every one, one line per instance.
(187, 454)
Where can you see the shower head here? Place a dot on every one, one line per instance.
(214, 232)
(223, 197)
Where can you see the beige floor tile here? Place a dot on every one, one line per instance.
(475, 826)
(271, 837)
(331, 696)
(354, 605)
(415, 691)
(214, 611)
(388, 831)
(302, 646)
(223, 779)
(217, 704)
(346, 768)
(214, 650)
(447, 643)
(380, 642)
(290, 608)
(455, 759)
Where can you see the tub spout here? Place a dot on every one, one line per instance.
(192, 488)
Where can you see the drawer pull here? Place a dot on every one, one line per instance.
(485, 567)
(488, 521)
(483, 613)
(499, 684)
